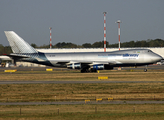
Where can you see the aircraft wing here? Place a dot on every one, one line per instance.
(106, 63)
(89, 62)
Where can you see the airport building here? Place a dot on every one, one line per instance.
(158, 50)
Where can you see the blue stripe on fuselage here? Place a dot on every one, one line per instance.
(118, 55)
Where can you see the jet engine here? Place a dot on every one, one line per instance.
(74, 66)
(102, 67)
(98, 67)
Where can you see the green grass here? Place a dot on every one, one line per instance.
(74, 92)
(81, 112)
(80, 92)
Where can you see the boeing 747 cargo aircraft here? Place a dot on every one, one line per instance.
(85, 61)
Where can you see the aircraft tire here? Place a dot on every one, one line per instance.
(82, 71)
(145, 70)
(94, 70)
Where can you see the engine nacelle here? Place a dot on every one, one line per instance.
(74, 66)
(102, 67)
(98, 67)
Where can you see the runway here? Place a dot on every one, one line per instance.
(73, 82)
(150, 67)
(82, 102)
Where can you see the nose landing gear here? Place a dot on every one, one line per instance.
(145, 69)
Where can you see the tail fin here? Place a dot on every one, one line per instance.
(18, 45)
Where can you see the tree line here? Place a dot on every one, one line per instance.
(100, 44)
(5, 49)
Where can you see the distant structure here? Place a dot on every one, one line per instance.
(118, 21)
(104, 31)
(50, 38)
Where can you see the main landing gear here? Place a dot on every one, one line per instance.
(87, 70)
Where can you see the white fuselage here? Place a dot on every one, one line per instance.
(135, 56)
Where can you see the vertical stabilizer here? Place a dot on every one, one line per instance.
(18, 45)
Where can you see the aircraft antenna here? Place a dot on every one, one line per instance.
(104, 31)
(118, 21)
(50, 38)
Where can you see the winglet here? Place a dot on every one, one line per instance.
(18, 45)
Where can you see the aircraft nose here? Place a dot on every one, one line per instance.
(157, 58)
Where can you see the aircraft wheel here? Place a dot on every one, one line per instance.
(87, 70)
(94, 70)
(82, 71)
(145, 70)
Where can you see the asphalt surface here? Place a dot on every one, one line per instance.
(65, 69)
(73, 82)
(82, 102)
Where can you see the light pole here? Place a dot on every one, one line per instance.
(50, 38)
(118, 21)
(104, 31)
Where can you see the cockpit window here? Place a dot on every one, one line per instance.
(149, 50)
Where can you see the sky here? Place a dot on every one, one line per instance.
(81, 21)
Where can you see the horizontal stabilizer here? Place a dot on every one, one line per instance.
(17, 56)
